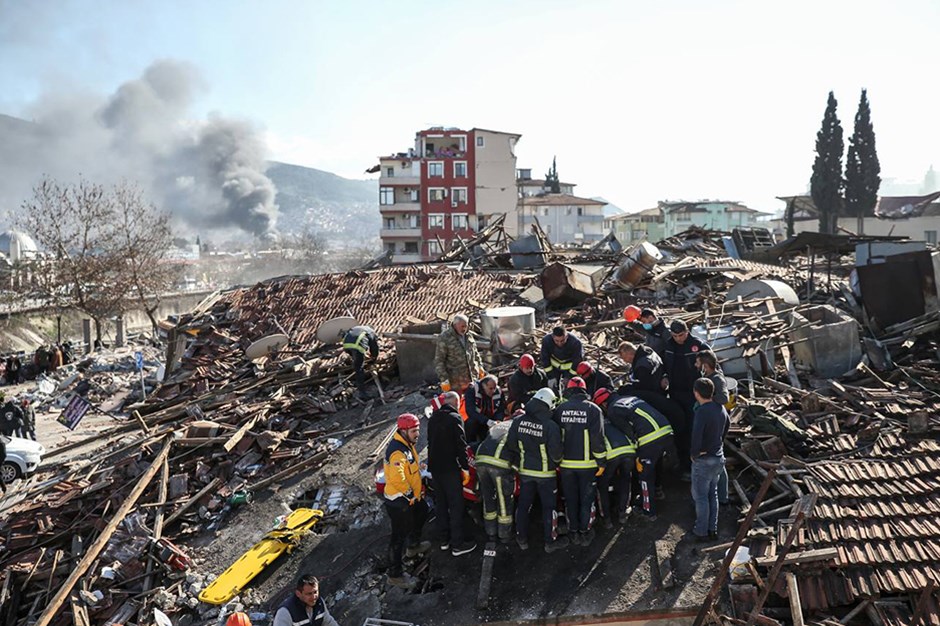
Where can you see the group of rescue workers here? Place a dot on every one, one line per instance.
(564, 422)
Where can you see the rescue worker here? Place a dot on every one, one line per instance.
(561, 352)
(708, 458)
(28, 429)
(494, 461)
(485, 406)
(11, 417)
(614, 486)
(594, 378)
(305, 607)
(582, 435)
(359, 341)
(524, 382)
(681, 350)
(456, 358)
(404, 498)
(536, 439)
(652, 433)
(646, 368)
(655, 331)
(447, 461)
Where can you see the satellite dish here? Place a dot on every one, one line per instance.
(332, 331)
(266, 345)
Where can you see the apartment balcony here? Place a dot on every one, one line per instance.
(400, 181)
(401, 207)
(403, 257)
(400, 233)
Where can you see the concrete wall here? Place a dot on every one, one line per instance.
(917, 228)
(495, 163)
(563, 222)
(715, 215)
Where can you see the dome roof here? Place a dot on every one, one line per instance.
(18, 246)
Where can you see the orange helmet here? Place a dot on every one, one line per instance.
(632, 313)
(238, 619)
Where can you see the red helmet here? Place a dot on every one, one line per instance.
(585, 369)
(601, 395)
(238, 619)
(408, 420)
(578, 382)
(526, 360)
(632, 313)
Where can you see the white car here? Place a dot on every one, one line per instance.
(23, 457)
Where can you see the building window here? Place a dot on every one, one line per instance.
(544, 211)
(461, 142)
(390, 246)
(480, 142)
(386, 195)
(390, 171)
(434, 248)
(413, 221)
(458, 195)
(930, 236)
(411, 247)
(460, 169)
(548, 229)
(413, 195)
(458, 221)
(436, 169)
(580, 210)
(436, 194)
(435, 220)
(388, 223)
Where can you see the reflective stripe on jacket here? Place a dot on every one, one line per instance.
(402, 472)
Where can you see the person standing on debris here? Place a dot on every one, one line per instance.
(708, 458)
(615, 484)
(13, 370)
(494, 461)
(404, 498)
(582, 435)
(3, 458)
(359, 341)
(486, 405)
(536, 438)
(524, 382)
(655, 331)
(450, 469)
(305, 606)
(456, 358)
(653, 435)
(708, 363)
(11, 417)
(594, 378)
(561, 352)
(28, 430)
(681, 351)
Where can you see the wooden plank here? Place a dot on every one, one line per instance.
(95, 549)
(316, 458)
(79, 612)
(162, 488)
(238, 434)
(807, 556)
(214, 484)
(793, 593)
(785, 352)
(664, 561)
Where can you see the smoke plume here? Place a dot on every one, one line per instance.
(208, 173)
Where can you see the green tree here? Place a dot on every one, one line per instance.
(826, 181)
(551, 178)
(862, 170)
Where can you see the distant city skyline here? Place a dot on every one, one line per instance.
(639, 102)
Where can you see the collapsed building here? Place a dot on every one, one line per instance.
(833, 452)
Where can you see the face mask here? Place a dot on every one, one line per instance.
(647, 326)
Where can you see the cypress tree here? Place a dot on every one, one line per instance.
(862, 170)
(551, 179)
(826, 182)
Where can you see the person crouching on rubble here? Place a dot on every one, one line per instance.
(404, 498)
(359, 341)
(494, 462)
(305, 606)
(450, 469)
(456, 358)
(524, 382)
(485, 406)
(560, 354)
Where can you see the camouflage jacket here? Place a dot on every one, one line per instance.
(453, 361)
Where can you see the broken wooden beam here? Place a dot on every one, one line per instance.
(793, 594)
(214, 484)
(807, 556)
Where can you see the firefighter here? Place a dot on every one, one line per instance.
(582, 434)
(486, 405)
(594, 378)
(536, 439)
(525, 381)
(494, 462)
(305, 607)
(654, 439)
(646, 368)
(456, 357)
(358, 341)
(447, 461)
(561, 352)
(404, 498)
(615, 484)
(681, 352)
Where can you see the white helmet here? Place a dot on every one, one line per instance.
(546, 395)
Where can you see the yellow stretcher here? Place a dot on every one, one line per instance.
(282, 539)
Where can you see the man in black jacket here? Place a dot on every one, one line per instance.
(594, 378)
(524, 382)
(681, 352)
(561, 353)
(450, 469)
(655, 330)
(11, 418)
(646, 368)
(358, 342)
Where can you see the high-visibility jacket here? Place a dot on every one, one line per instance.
(481, 407)
(582, 431)
(493, 450)
(362, 339)
(638, 420)
(537, 441)
(562, 359)
(617, 443)
(402, 472)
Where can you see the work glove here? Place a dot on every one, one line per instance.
(445, 385)
(491, 423)
(639, 465)
(599, 472)
(481, 373)
(465, 477)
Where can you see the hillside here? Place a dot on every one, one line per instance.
(330, 205)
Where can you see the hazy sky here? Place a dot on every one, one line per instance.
(640, 101)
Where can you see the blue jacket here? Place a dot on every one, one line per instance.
(561, 360)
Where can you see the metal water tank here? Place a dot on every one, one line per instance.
(506, 327)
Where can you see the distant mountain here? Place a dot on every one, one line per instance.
(324, 203)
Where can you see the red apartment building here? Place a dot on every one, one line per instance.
(448, 185)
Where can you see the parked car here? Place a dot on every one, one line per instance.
(23, 457)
